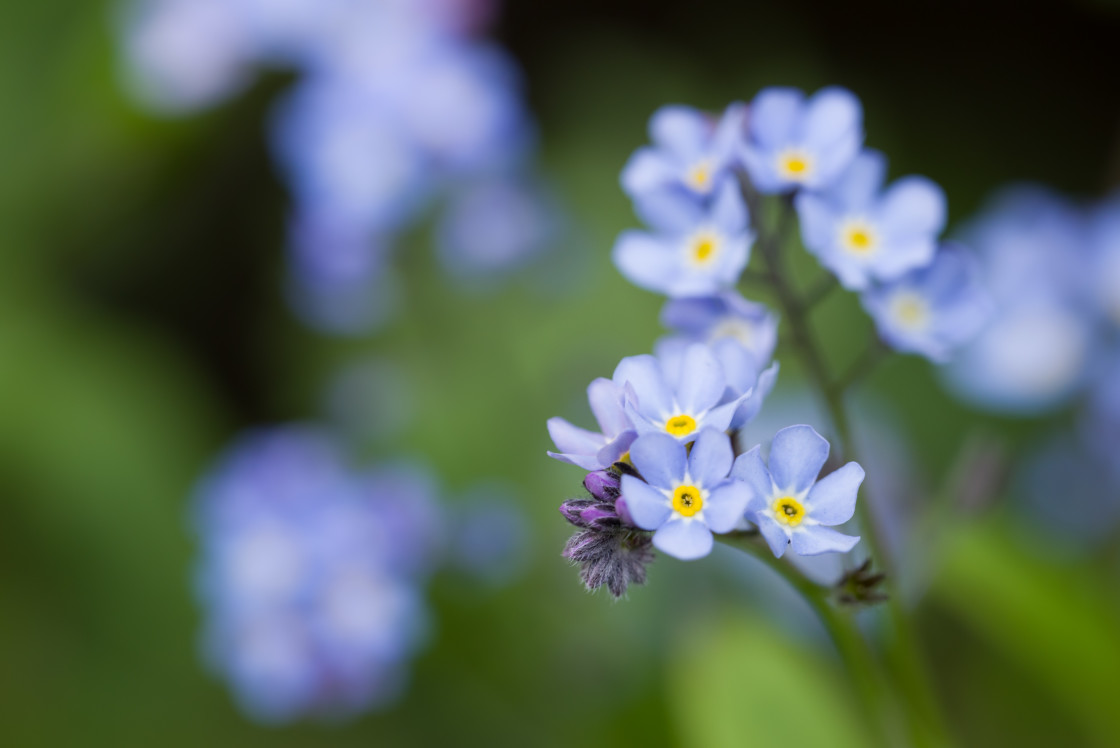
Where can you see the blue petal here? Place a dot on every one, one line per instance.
(647, 170)
(681, 129)
(729, 209)
(831, 115)
(649, 508)
(589, 463)
(775, 535)
(702, 383)
(812, 541)
(683, 538)
(753, 404)
(913, 205)
(711, 458)
(857, 186)
(726, 506)
(646, 260)
(670, 210)
(670, 353)
(751, 470)
(797, 455)
(613, 451)
(692, 316)
(605, 398)
(759, 164)
(818, 222)
(647, 383)
(569, 438)
(833, 500)
(773, 116)
(730, 132)
(660, 459)
(719, 418)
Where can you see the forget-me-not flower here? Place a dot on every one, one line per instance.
(691, 152)
(724, 317)
(697, 249)
(680, 402)
(863, 232)
(934, 310)
(787, 502)
(684, 496)
(794, 142)
(595, 450)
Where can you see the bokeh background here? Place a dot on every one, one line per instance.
(143, 325)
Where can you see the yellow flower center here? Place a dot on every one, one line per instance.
(794, 165)
(699, 176)
(910, 310)
(703, 247)
(788, 511)
(858, 237)
(681, 425)
(736, 329)
(687, 500)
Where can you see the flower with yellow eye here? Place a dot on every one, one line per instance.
(793, 142)
(787, 502)
(684, 496)
(932, 311)
(695, 249)
(865, 233)
(680, 402)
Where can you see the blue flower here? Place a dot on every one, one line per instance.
(793, 142)
(934, 310)
(1104, 239)
(680, 402)
(697, 250)
(691, 153)
(588, 449)
(725, 317)
(862, 232)
(787, 502)
(684, 496)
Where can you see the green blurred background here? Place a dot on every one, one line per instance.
(142, 327)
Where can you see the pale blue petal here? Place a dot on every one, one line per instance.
(730, 132)
(647, 170)
(647, 260)
(812, 541)
(711, 458)
(589, 462)
(912, 205)
(773, 116)
(647, 383)
(670, 353)
(660, 459)
(605, 398)
(857, 186)
(833, 500)
(573, 439)
(643, 424)
(726, 505)
(833, 160)
(729, 209)
(701, 384)
(649, 508)
(740, 365)
(759, 164)
(903, 256)
(684, 539)
(818, 222)
(613, 452)
(670, 210)
(719, 418)
(831, 115)
(681, 129)
(797, 455)
(774, 534)
(750, 407)
(751, 470)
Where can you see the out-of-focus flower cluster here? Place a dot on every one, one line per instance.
(1053, 268)
(398, 102)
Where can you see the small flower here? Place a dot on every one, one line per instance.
(590, 450)
(794, 143)
(681, 402)
(691, 152)
(697, 250)
(932, 311)
(787, 502)
(725, 317)
(862, 232)
(685, 497)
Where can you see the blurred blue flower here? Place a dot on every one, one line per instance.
(793, 142)
(681, 401)
(1104, 241)
(684, 495)
(864, 233)
(787, 502)
(590, 450)
(725, 317)
(697, 249)
(1037, 264)
(934, 310)
(310, 574)
(692, 151)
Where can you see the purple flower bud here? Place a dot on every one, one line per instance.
(598, 515)
(602, 485)
(572, 510)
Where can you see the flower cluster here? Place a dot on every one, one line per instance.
(397, 102)
(668, 421)
(312, 574)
